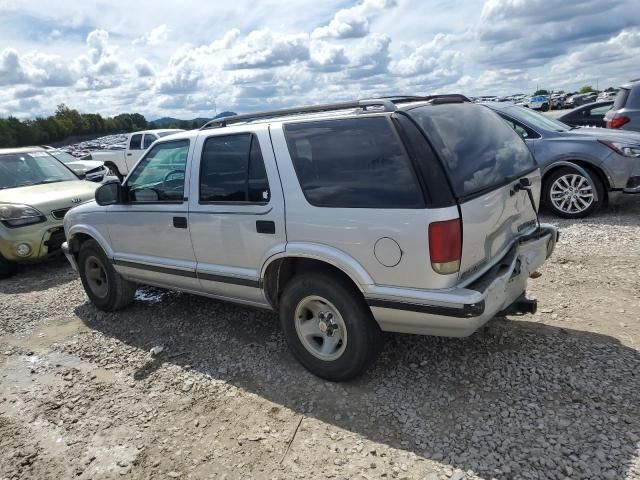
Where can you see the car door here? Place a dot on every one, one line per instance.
(134, 151)
(150, 231)
(236, 213)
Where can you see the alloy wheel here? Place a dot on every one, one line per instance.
(572, 193)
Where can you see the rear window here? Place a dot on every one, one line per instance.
(478, 148)
(621, 99)
(353, 163)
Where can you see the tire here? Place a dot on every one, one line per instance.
(105, 287)
(7, 268)
(344, 314)
(544, 108)
(555, 186)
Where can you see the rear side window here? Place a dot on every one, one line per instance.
(478, 148)
(232, 170)
(621, 99)
(353, 163)
(148, 140)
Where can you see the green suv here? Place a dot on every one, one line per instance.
(36, 191)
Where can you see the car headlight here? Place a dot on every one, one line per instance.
(624, 149)
(16, 215)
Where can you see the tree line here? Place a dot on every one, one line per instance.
(64, 123)
(68, 122)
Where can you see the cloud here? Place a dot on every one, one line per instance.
(97, 41)
(11, 71)
(353, 22)
(158, 35)
(266, 49)
(27, 92)
(144, 68)
(327, 57)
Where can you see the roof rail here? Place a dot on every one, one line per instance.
(388, 104)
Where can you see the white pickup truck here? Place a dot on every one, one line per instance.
(120, 162)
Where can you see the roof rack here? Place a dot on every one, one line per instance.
(385, 104)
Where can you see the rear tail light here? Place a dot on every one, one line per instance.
(445, 246)
(617, 122)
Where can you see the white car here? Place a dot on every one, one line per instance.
(417, 215)
(539, 102)
(92, 170)
(121, 161)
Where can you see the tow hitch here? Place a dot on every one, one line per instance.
(521, 306)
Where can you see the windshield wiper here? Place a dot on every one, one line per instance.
(49, 181)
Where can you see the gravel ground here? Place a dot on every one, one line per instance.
(549, 396)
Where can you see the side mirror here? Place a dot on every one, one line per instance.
(110, 193)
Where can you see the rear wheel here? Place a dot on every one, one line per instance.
(328, 326)
(571, 194)
(105, 287)
(7, 268)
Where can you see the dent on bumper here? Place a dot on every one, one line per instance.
(461, 311)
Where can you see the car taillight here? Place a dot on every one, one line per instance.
(617, 122)
(445, 246)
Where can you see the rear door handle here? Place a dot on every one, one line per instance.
(180, 222)
(265, 226)
(129, 154)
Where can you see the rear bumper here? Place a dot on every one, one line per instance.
(459, 312)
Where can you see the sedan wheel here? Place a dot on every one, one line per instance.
(572, 194)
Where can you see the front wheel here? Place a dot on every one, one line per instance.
(105, 287)
(328, 326)
(569, 193)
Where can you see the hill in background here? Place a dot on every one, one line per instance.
(170, 122)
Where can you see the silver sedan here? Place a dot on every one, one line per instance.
(581, 167)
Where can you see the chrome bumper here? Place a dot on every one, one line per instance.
(69, 255)
(458, 312)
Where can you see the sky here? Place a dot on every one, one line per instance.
(191, 59)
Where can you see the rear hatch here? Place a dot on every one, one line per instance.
(484, 159)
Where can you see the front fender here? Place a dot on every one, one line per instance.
(75, 230)
(333, 256)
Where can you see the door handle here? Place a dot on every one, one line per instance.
(265, 226)
(129, 154)
(180, 222)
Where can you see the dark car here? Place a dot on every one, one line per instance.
(589, 115)
(625, 113)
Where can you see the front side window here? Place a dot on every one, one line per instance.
(159, 177)
(353, 163)
(135, 142)
(232, 170)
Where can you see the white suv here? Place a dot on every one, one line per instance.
(413, 214)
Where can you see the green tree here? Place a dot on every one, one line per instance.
(586, 89)
(541, 92)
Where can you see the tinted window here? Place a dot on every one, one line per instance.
(352, 163)
(232, 170)
(135, 142)
(600, 111)
(148, 140)
(478, 148)
(621, 99)
(159, 177)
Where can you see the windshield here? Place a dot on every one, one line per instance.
(34, 168)
(64, 157)
(536, 120)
